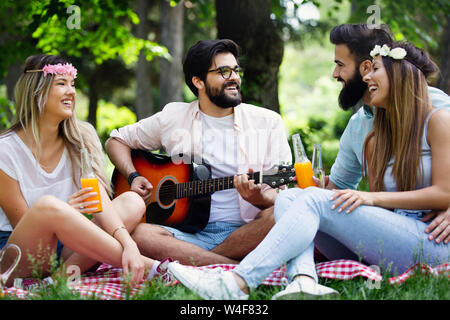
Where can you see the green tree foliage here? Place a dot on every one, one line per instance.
(111, 117)
(104, 30)
(421, 22)
(89, 33)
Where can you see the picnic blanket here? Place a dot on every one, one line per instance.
(106, 283)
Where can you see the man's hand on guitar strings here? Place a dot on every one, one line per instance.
(142, 187)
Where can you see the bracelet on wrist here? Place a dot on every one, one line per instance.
(132, 176)
(117, 229)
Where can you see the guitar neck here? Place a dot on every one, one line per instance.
(203, 187)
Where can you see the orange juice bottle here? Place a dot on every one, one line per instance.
(88, 179)
(302, 165)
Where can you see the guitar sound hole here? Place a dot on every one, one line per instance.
(167, 192)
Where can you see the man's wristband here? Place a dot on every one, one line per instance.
(132, 176)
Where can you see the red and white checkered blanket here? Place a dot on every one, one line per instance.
(107, 283)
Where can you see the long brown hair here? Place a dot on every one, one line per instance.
(31, 93)
(398, 128)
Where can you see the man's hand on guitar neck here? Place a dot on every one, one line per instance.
(253, 193)
(142, 187)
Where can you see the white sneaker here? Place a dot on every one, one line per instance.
(298, 289)
(214, 284)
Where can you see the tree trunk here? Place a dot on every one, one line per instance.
(93, 98)
(14, 72)
(171, 73)
(444, 80)
(248, 23)
(144, 102)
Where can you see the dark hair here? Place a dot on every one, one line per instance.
(199, 58)
(361, 39)
(38, 61)
(418, 57)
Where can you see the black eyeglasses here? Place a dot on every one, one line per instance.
(227, 71)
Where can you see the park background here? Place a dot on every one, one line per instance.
(129, 53)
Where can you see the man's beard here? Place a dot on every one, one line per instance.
(352, 91)
(221, 99)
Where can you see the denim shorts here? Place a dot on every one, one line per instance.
(4, 236)
(210, 237)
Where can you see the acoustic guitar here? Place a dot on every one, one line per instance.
(181, 195)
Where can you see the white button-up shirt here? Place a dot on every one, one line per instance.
(177, 129)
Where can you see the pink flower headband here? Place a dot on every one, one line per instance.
(58, 69)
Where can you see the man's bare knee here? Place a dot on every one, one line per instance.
(267, 215)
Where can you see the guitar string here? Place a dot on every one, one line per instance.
(198, 186)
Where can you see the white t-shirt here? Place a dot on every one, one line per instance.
(18, 162)
(220, 152)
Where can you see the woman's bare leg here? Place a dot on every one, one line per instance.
(131, 208)
(50, 219)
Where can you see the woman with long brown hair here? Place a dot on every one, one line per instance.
(407, 158)
(41, 200)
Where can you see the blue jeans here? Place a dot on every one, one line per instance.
(304, 218)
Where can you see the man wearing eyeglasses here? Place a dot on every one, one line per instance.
(217, 129)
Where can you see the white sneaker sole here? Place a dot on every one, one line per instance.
(177, 271)
(305, 296)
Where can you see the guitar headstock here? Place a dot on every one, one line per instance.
(278, 175)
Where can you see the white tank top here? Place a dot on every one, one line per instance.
(18, 162)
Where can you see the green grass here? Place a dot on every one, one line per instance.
(417, 287)
(420, 286)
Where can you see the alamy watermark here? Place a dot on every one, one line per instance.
(374, 284)
(74, 20)
(373, 21)
(74, 275)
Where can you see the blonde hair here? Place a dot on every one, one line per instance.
(31, 93)
(398, 129)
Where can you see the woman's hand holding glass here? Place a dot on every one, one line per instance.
(77, 201)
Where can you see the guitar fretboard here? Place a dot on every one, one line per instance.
(202, 187)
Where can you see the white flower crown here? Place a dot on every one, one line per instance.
(396, 53)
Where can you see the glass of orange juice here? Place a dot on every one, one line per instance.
(93, 183)
(88, 179)
(302, 165)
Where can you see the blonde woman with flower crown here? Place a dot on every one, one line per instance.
(407, 156)
(41, 201)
